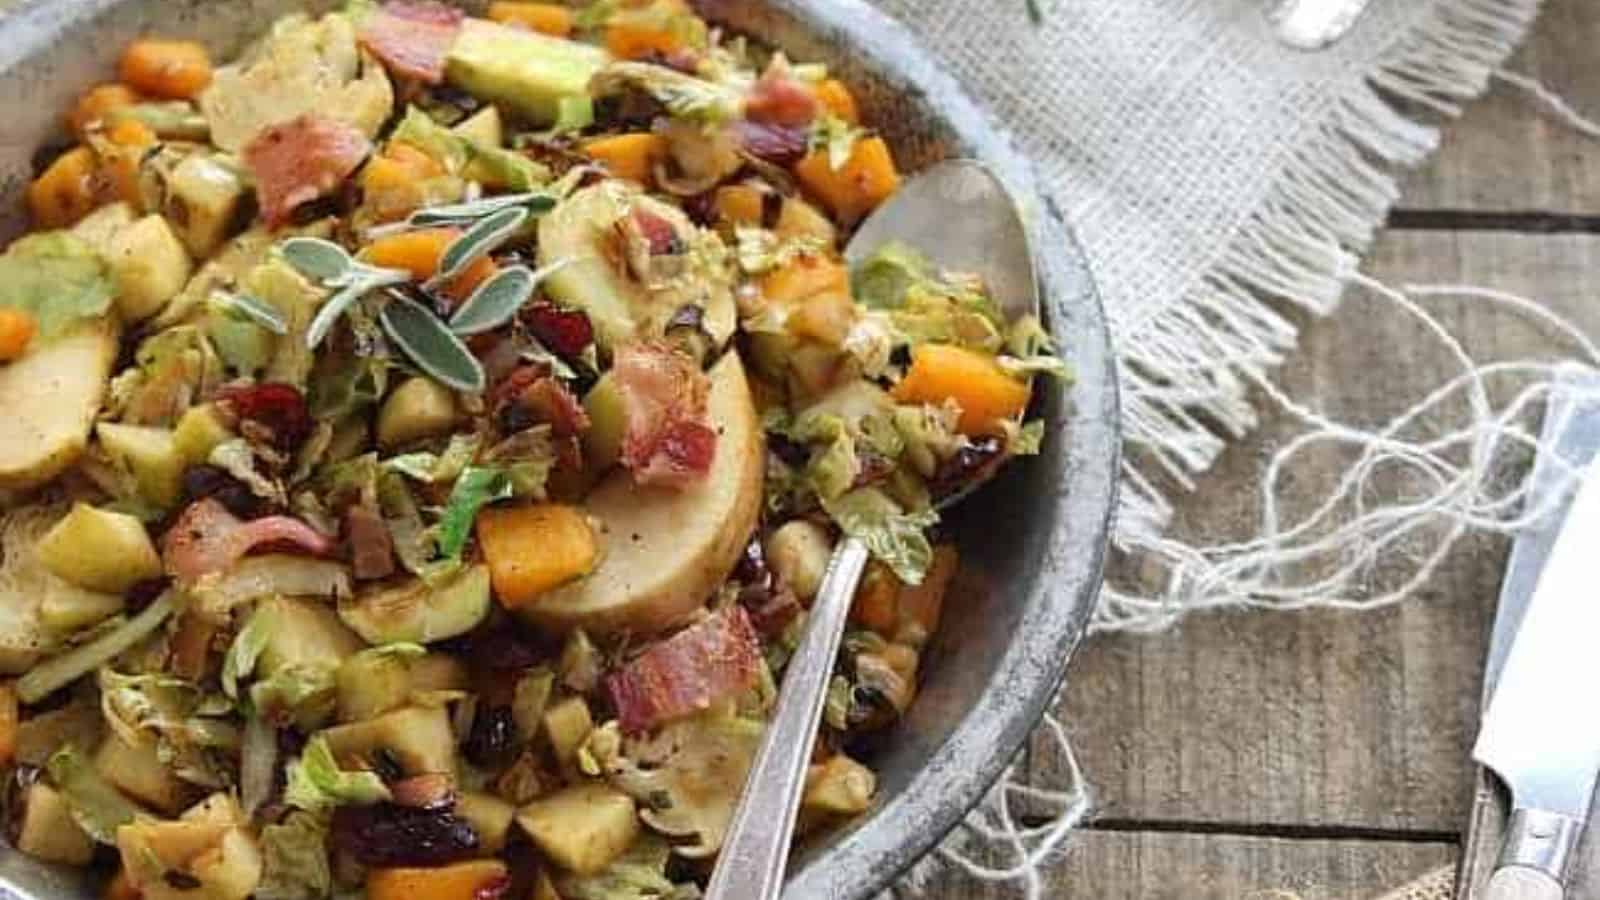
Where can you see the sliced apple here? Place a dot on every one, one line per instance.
(667, 550)
(51, 396)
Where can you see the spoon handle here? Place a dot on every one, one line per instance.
(755, 852)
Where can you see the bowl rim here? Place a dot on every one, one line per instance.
(1055, 612)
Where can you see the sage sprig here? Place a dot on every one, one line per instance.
(498, 299)
(250, 309)
(536, 204)
(484, 237)
(331, 266)
(428, 343)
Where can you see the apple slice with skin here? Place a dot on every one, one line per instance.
(666, 550)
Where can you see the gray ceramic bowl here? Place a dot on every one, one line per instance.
(1032, 542)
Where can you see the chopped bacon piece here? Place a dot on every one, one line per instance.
(300, 160)
(666, 439)
(413, 38)
(782, 145)
(208, 539)
(778, 98)
(688, 672)
(371, 547)
(658, 233)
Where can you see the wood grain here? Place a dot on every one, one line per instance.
(1506, 153)
(1160, 866)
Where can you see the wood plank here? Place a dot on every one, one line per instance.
(1325, 719)
(1508, 154)
(1106, 865)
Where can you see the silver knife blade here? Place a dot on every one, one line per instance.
(1570, 437)
(1547, 751)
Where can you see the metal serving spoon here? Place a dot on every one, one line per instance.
(1315, 24)
(960, 215)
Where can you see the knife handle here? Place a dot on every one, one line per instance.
(1534, 860)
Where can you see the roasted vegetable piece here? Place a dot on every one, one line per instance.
(150, 264)
(566, 725)
(582, 828)
(836, 98)
(100, 550)
(51, 395)
(986, 394)
(840, 787)
(630, 156)
(855, 189)
(417, 739)
(490, 816)
(151, 454)
(681, 544)
(176, 70)
(66, 191)
(481, 879)
(417, 612)
(419, 252)
(45, 828)
(526, 71)
(419, 408)
(17, 328)
(97, 103)
(799, 552)
(137, 770)
(546, 18)
(205, 198)
(532, 550)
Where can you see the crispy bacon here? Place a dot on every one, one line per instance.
(208, 539)
(413, 38)
(666, 439)
(778, 98)
(300, 160)
(371, 547)
(688, 672)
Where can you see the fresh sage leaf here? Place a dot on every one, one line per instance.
(429, 344)
(479, 241)
(252, 310)
(317, 259)
(460, 213)
(498, 299)
(364, 280)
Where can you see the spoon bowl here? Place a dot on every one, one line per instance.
(959, 214)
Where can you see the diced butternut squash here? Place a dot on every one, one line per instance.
(129, 139)
(740, 204)
(545, 18)
(9, 720)
(837, 99)
(920, 606)
(535, 549)
(629, 156)
(66, 191)
(17, 327)
(632, 40)
(803, 278)
(397, 181)
(977, 384)
(826, 317)
(460, 881)
(419, 252)
(856, 188)
(176, 70)
(98, 102)
(877, 602)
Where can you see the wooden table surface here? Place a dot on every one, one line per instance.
(1325, 755)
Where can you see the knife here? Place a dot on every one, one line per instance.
(1547, 755)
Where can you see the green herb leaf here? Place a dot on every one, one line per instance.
(536, 204)
(317, 259)
(316, 782)
(479, 241)
(250, 309)
(362, 280)
(429, 344)
(497, 300)
(476, 488)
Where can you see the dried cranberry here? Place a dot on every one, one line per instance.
(386, 834)
(497, 647)
(781, 145)
(280, 408)
(565, 332)
(779, 99)
(772, 605)
(202, 481)
(493, 740)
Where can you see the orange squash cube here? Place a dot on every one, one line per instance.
(977, 384)
(176, 70)
(532, 550)
(855, 189)
(458, 881)
(629, 156)
(545, 18)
